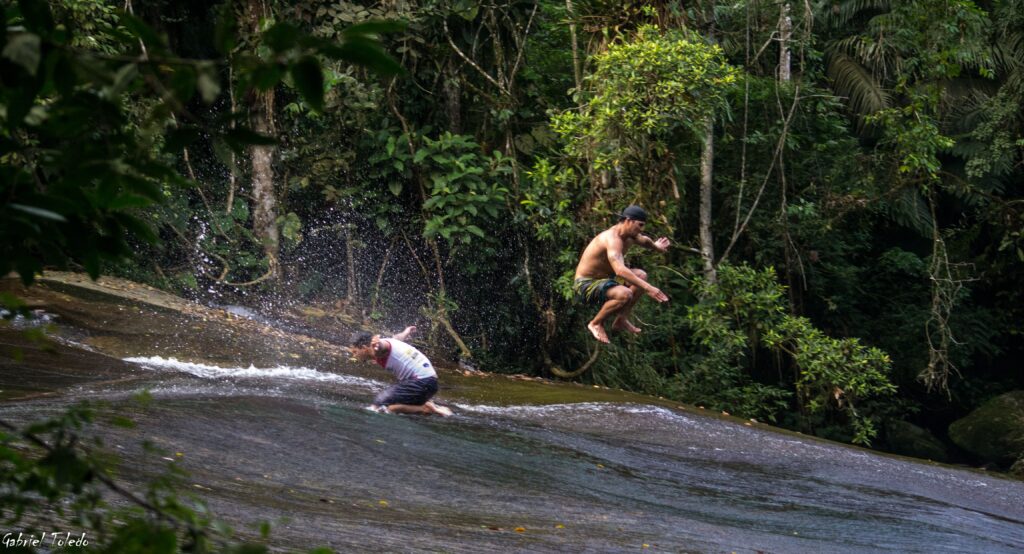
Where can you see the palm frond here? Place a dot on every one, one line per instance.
(909, 209)
(838, 15)
(965, 106)
(864, 94)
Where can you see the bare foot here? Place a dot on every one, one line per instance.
(625, 325)
(598, 332)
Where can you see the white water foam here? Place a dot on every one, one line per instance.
(578, 408)
(205, 371)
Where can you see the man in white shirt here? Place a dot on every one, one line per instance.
(417, 380)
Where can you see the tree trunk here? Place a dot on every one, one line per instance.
(785, 35)
(707, 165)
(453, 97)
(577, 71)
(264, 199)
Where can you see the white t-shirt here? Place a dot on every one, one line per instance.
(406, 362)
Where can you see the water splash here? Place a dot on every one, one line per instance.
(206, 371)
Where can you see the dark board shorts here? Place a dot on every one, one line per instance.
(413, 392)
(594, 291)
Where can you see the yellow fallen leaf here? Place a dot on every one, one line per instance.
(383, 503)
(600, 466)
(178, 454)
(559, 526)
(520, 529)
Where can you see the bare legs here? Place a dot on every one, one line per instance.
(426, 409)
(621, 300)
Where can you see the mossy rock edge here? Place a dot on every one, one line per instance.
(995, 431)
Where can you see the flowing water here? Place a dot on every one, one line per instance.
(522, 466)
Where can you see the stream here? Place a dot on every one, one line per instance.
(272, 426)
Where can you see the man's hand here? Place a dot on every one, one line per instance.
(406, 333)
(662, 244)
(656, 294)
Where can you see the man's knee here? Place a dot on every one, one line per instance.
(620, 294)
(640, 273)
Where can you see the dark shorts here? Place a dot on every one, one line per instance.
(593, 291)
(414, 392)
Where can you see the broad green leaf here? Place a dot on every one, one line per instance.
(241, 137)
(177, 139)
(281, 37)
(374, 27)
(309, 79)
(144, 32)
(23, 49)
(226, 30)
(466, 9)
(37, 16)
(209, 85)
(137, 227)
(126, 201)
(367, 53)
(266, 76)
(395, 187)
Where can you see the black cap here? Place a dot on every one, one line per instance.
(360, 338)
(633, 212)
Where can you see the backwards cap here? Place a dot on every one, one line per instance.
(634, 212)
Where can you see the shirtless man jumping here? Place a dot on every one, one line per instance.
(602, 275)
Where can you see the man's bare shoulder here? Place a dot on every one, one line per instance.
(612, 240)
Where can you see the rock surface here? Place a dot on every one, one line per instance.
(995, 431)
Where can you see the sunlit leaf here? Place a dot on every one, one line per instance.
(23, 49)
(38, 212)
(209, 85)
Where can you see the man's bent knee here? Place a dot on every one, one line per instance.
(639, 273)
(620, 294)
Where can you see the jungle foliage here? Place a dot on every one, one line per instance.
(867, 209)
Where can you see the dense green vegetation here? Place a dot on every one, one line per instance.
(841, 180)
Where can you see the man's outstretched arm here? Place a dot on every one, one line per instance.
(618, 262)
(406, 333)
(661, 245)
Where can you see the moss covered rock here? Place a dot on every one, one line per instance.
(995, 431)
(908, 439)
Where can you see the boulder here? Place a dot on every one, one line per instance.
(995, 431)
(908, 439)
(1017, 469)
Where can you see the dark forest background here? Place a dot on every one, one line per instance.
(841, 179)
